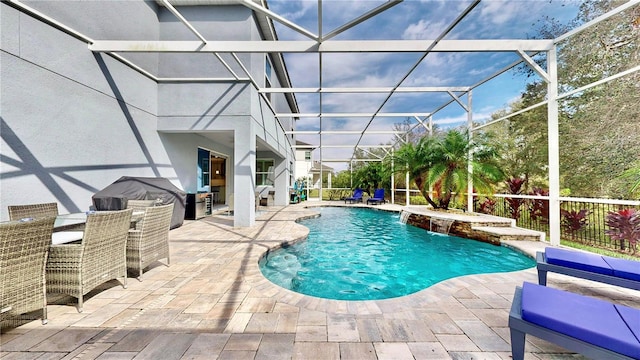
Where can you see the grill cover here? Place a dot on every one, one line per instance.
(116, 195)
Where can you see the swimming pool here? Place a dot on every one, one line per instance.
(365, 254)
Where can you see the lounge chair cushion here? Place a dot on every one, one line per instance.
(630, 316)
(577, 260)
(628, 269)
(588, 319)
(357, 196)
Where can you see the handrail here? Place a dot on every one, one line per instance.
(565, 198)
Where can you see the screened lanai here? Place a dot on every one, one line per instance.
(358, 69)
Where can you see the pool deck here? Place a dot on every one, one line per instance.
(213, 303)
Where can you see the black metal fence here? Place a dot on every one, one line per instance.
(582, 220)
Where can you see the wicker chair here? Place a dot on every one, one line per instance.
(140, 205)
(76, 269)
(17, 212)
(149, 241)
(23, 255)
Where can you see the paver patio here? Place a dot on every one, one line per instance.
(213, 303)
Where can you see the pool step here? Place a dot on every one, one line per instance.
(496, 234)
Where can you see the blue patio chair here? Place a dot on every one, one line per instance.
(356, 197)
(605, 269)
(592, 327)
(378, 197)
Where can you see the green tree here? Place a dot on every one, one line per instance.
(416, 158)
(599, 127)
(442, 160)
(449, 171)
(370, 176)
(523, 138)
(342, 179)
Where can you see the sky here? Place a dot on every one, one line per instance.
(409, 20)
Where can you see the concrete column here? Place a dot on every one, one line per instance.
(244, 162)
(281, 182)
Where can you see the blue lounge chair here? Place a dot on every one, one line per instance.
(378, 197)
(356, 197)
(619, 272)
(592, 327)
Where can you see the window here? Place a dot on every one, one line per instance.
(267, 69)
(307, 155)
(264, 172)
(267, 75)
(203, 170)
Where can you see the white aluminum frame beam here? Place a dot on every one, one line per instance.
(342, 132)
(344, 115)
(270, 14)
(184, 21)
(358, 20)
(433, 44)
(331, 46)
(350, 146)
(543, 74)
(348, 160)
(352, 90)
(553, 143)
(619, 9)
(420, 121)
(457, 99)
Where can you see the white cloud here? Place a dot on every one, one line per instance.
(501, 12)
(294, 10)
(423, 29)
(415, 20)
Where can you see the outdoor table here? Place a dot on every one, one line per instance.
(67, 228)
(69, 221)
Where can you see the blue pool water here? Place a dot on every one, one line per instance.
(364, 254)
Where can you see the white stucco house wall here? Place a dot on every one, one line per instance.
(308, 169)
(74, 120)
(304, 161)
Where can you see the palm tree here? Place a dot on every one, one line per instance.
(443, 162)
(417, 158)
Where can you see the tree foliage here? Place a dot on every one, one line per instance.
(524, 138)
(342, 179)
(600, 126)
(442, 160)
(370, 177)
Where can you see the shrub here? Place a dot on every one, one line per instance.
(539, 208)
(515, 187)
(417, 200)
(487, 206)
(624, 225)
(574, 221)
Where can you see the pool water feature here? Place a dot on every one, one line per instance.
(365, 254)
